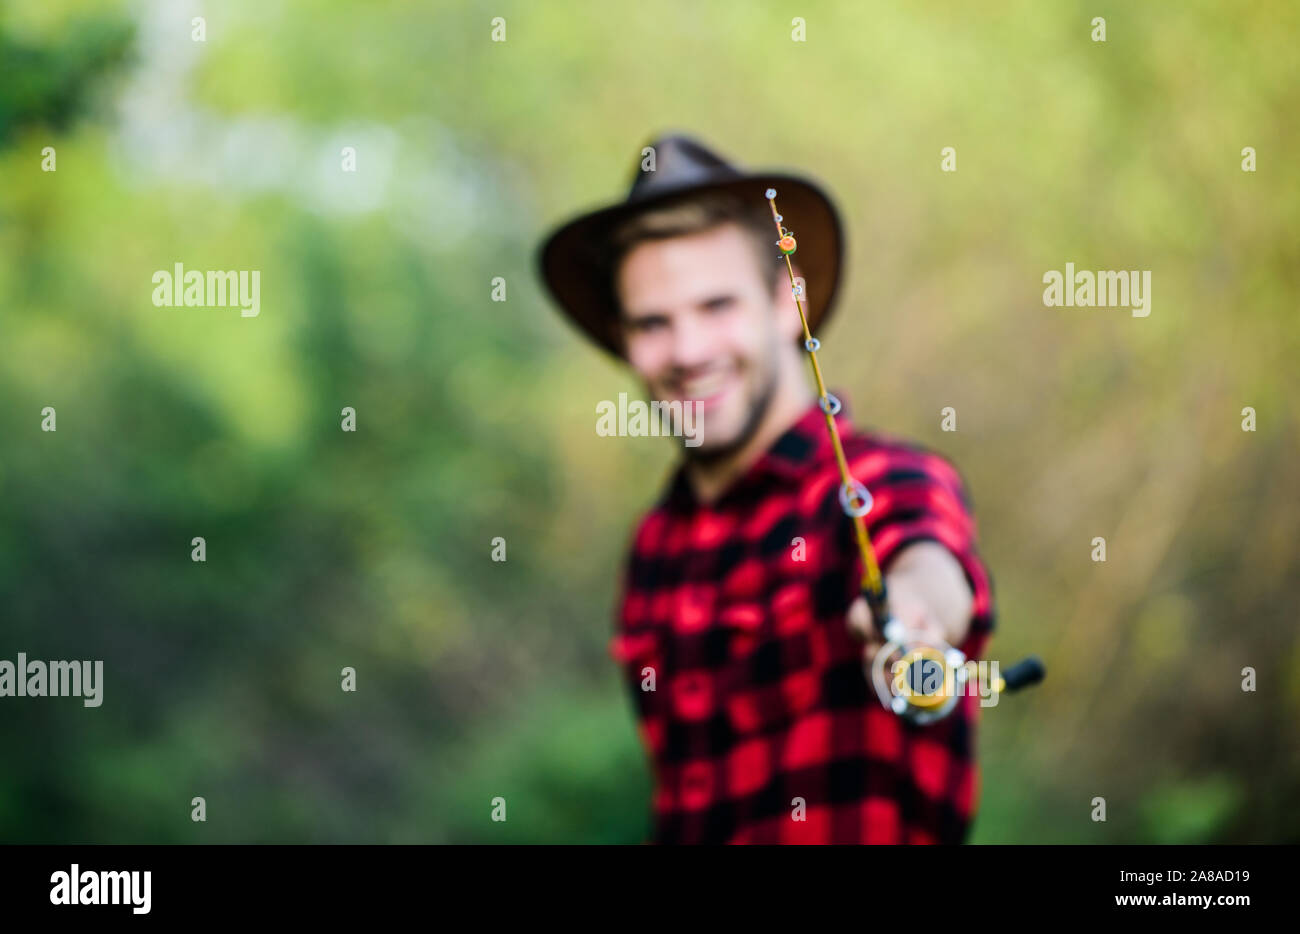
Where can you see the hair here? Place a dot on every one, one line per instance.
(690, 215)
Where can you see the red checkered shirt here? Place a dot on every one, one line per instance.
(749, 688)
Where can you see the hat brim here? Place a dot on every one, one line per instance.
(573, 259)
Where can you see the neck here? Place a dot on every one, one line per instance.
(710, 478)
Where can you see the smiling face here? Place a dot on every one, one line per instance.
(703, 321)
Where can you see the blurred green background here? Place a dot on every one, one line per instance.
(476, 419)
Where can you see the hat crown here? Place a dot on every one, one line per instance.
(679, 162)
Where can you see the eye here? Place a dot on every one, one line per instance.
(645, 325)
(720, 303)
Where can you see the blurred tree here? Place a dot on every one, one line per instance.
(52, 85)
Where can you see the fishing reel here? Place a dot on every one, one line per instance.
(921, 681)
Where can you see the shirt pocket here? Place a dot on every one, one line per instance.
(776, 654)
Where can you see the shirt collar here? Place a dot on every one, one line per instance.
(789, 456)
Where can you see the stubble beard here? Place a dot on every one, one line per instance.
(757, 411)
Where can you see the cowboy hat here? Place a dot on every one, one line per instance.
(575, 263)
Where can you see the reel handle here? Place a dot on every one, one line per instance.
(1024, 673)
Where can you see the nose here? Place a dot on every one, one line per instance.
(692, 344)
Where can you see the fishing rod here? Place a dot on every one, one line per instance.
(925, 678)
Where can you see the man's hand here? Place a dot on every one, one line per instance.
(919, 623)
(928, 594)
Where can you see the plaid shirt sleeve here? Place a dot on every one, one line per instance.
(920, 496)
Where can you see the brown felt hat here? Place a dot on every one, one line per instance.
(575, 259)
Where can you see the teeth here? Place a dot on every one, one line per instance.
(702, 388)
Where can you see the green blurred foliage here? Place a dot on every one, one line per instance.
(475, 419)
(51, 83)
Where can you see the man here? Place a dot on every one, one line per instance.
(741, 627)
